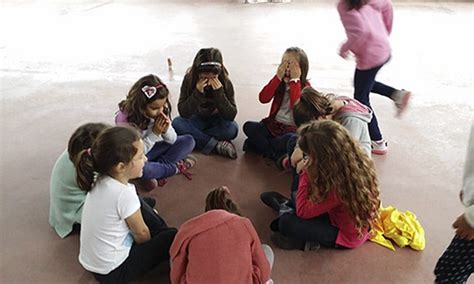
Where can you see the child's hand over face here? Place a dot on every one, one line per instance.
(295, 70)
(215, 83)
(201, 84)
(463, 229)
(162, 123)
(296, 156)
(282, 69)
(303, 164)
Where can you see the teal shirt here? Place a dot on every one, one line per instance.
(66, 198)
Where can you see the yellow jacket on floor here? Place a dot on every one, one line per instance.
(403, 228)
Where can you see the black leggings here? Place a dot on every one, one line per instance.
(457, 262)
(146, 256)
(318, 229)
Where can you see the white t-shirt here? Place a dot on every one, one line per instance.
(285, 113)
(105, 236)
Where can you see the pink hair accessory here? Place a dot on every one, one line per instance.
(89, 152)
(150, 91)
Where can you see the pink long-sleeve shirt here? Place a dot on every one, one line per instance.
(367, 29)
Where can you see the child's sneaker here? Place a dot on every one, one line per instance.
(186, 164)
(226, 148)
(401, 99)
(379, 147)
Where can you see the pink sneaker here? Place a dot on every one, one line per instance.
(401, 101)
(379, 147)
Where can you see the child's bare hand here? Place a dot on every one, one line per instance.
(162, 123)
(463, 229)
(296, 156)
(282, 69)
(302, 164)
(215, 83)
(295, 70)
(201, 84)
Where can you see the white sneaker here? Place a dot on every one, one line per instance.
(401, 99)
(379, 147)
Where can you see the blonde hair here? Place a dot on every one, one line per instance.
(339, 163)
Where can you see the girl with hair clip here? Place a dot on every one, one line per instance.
(338, 197)
(121, 236)
(368, 24)
(66, 198)
(147, 107)
(207, 105)
(269, 136)
(220, 246)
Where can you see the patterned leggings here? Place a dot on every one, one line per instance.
(457, 262)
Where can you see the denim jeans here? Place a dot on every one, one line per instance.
(263, 142)
(206, 131)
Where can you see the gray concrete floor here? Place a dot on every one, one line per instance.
(64, 64)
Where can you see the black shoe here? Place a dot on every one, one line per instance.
(308, 246)
(249, 147)
(150, 201)
(286, 243)
(273, 199)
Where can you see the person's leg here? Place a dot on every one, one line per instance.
(363, 84)
(177, 151)
(221, 129)
(158, 170)
(194, 126)
(457, 262)
(318, 229)
(142, 258)
(280, 145)
(384, 90)
(291, 144)
(259, 137)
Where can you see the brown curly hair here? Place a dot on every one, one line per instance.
(339, 162)
(220, 198)
(135, 103)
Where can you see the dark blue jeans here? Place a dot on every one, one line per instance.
(296, 178)
(364, 84)
(206, 131)
(260, 140)
(162, 158)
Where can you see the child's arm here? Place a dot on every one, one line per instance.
(356, 30)
(139, 229)
(188, 98)
(268, 92)
(305, 208)
(225, 101)
(387, 16)
(169, 135)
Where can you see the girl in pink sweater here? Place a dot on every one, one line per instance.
(337, 199)
(219, 246)
(368, 24)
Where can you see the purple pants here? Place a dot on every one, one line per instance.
(162, 158)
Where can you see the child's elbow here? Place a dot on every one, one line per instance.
(142, 236)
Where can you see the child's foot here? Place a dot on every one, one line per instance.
(273, 199)
(186, 164)
(227, 149)
(379, 147)
(401, 99)
(148, 184)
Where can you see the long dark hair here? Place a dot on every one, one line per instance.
(203, 63)
(112, 146)
(304, 66)
(220, 198)
(135, 103)
(83, 138)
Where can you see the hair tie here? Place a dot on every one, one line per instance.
(150, 91)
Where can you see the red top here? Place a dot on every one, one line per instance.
(269, 92)
(338, 213)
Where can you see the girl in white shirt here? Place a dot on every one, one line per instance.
(116, 244)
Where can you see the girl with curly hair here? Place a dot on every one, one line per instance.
(147, 107)
(337, 199)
